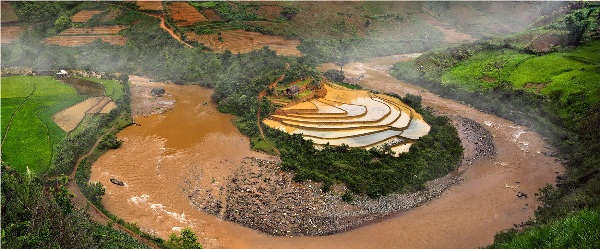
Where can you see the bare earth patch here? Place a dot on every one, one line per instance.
(211, 15)
(80, 36)
(150, 5)
(241, 41)
(11, 33)
(85, 15)
(184, 14)
(108, 107)
(69, 118)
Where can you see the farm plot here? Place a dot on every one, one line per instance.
(80, 36)
(241, 41)
(100, 92)
(11, 33)
(355, 118)
(85, 15)
(184, 14)
(112, 89)
(29, 104)
(69, 118)
(28, 134)
(150, 5)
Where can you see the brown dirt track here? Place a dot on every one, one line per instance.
(185, 14)
(241, 41)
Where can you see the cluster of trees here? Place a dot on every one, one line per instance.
(37, 213)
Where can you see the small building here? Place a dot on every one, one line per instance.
(292, 90)
(62, 73)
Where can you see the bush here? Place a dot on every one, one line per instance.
(334, 75)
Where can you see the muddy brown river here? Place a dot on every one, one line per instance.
(157, 157)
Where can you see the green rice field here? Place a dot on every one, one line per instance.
(28, 132)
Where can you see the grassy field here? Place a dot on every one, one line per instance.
(31, 134)
(113, 89)
(569, 78)
(580, 230)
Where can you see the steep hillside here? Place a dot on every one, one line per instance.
(552, 89)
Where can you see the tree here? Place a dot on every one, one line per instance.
(343, 52)
(580, 21)
(187, 240)
(63, 22)
(334, 75)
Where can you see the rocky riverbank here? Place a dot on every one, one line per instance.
(261, 196)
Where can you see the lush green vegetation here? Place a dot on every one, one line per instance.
(37, 213)
(187, 240)
(32, 116)
(556, 93)
(112, 89)
(579, 230)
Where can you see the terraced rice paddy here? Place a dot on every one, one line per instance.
(80, 36)
(355, 118)
(28, 132)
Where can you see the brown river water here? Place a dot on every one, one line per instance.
(157, 157)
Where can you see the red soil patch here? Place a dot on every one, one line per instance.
(8, 13)
(241, 41)
(85, 15)
(545, 42)
(211, 15)
(185, 14)
(80, 36)
(11, 33)
(150, 5)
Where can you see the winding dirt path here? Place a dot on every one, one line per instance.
(262, 94)
(164, 27)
